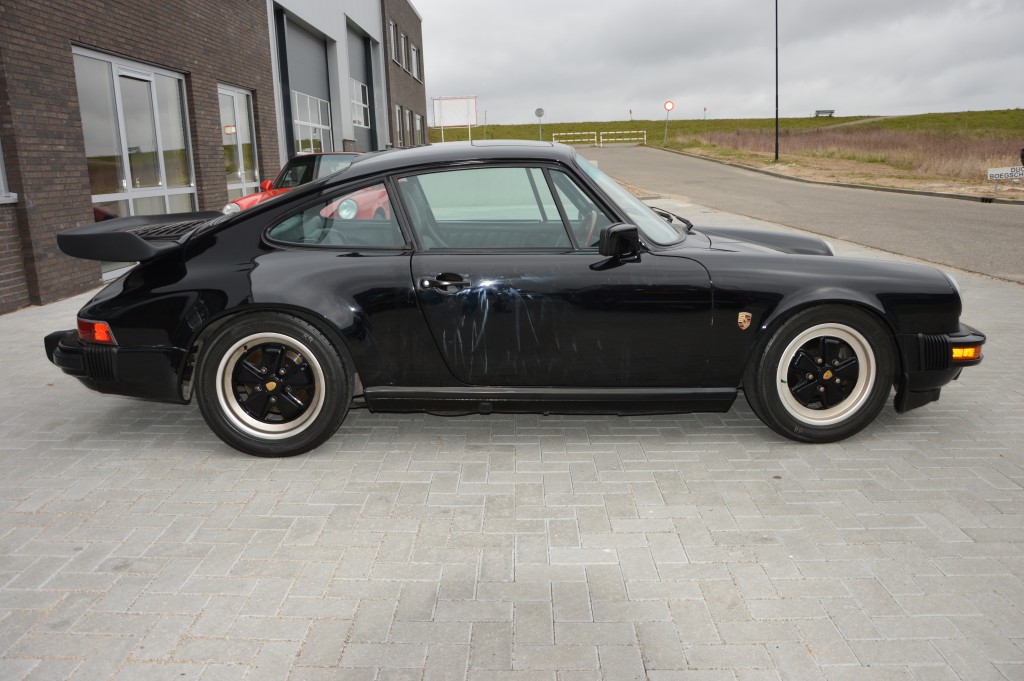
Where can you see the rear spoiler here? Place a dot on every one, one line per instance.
(130, 239)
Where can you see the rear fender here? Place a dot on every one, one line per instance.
(329, 327)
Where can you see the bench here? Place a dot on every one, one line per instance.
(824, 113)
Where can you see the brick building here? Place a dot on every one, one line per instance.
(138, 107)
(406, 93)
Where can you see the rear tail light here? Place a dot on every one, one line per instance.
(95, 332)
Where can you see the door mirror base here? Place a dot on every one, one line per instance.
(620, 241)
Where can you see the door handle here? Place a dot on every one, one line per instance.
(444, 283)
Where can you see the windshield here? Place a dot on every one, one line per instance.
(650, 223)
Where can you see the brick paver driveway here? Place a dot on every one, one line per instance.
(134, 545)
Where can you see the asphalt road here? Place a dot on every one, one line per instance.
(968, 235)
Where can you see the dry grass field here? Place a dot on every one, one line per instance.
(946, 152)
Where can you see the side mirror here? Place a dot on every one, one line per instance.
(620, 241)
(266, 186)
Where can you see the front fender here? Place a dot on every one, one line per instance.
(910, 298)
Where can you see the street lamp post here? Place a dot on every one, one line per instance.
(776, 81)
(669, 105)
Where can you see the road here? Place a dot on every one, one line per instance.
(968, 235)
(136, 545)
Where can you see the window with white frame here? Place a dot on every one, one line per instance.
(238, 136)
(360, 103)
(137, 145)
(408, 128)
(312, 124)
(393, 36)
(415, 59)
(399, 138)
(5, 192)
(405, 52)
(418, 137)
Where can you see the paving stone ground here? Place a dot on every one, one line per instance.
(134, 545)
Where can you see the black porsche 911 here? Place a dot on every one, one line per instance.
(501, 277)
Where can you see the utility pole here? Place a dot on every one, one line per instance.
(776, 81)
(669, 105)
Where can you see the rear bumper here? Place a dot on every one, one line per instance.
(928, 365)
(148, 373)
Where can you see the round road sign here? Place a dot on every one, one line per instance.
(539, 113)
(669, 105)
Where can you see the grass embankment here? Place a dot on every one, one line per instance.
(941, 151)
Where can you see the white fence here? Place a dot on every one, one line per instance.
(614, 137)
(575, 138)
(623, 136)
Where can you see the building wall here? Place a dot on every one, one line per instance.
(13, 282)
(404, 90)
(41, 129)
(13, 286)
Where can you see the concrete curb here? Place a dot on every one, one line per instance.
(893, 190)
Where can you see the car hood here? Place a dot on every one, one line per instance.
(250, 200)
(743, 240)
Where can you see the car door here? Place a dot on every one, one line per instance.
(511, 299)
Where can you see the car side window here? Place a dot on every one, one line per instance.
(298, 171)
(359, 219)
(585, 218)
(330, 164)
(504, 207)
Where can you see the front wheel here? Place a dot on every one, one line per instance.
(823, 375)
(272, 385)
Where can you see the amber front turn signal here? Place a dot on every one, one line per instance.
(964, 354)
(95, 332)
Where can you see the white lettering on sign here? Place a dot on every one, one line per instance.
(1011, 173)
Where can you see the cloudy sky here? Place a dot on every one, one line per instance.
(597, 59)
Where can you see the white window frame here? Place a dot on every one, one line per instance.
(419, 130)
(360, 94)
(405, 52)
(400, 141)
(326, 131)
(236, 94)
(6, 196)
(414, 57)
(133, 69)
(408, 128)
(393, 36)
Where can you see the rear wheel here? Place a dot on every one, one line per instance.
(272, 385)
(823, 375)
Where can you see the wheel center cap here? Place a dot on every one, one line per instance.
(271, 386)
(827, 375)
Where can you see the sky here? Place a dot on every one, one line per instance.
(596, 60)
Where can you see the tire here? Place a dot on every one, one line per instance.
(272, 385)
(823, 374)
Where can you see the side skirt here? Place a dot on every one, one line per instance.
(487, 400)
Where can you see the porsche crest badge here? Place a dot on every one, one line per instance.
(743, 320)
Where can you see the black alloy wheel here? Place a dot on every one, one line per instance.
(272, 385)
(823, 374)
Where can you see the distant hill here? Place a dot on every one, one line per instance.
(1004, 123)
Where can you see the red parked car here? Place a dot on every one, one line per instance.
(299, 170)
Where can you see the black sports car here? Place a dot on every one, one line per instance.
(503, 276)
